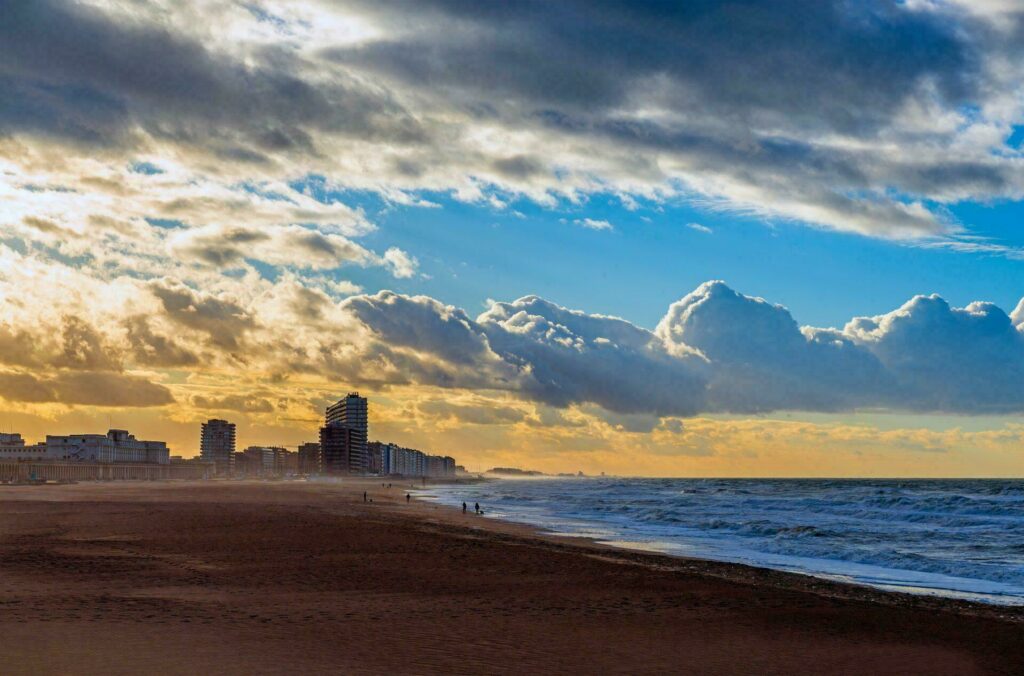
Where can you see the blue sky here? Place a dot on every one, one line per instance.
(469, 253)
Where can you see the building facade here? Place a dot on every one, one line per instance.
(309, 458)
(340, 452)
(217, 445)
(393, 459)
(116, 446)
(13, 447)
(266, 461)
(343, 438)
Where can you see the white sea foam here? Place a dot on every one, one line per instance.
(952, 538)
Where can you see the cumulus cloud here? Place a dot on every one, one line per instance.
(761, 359)
(717, 350)
(401, 264)
(220, 317)
(948, 359)
(574, 357)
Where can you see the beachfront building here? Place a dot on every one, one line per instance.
(217, 445)
(374, 457)
(254, 461)
(309, 458)
(286, 463)
(394, 459)
(340, 451)
(116, 446)
(266, 461)
(343, 438)
(13, 447)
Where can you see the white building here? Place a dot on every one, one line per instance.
(13, 447)
(114, 446)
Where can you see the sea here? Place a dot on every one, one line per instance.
(954, 538)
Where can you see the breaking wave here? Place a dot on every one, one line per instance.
(951, 537)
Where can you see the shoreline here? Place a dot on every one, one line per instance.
(939, 594)
(748, 573)
(296, 577)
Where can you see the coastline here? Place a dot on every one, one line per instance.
(978, 600)
(746, 573)
(281, 577)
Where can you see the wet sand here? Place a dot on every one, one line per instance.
(294, 578)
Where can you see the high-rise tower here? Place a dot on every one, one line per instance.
(343, 438)
(217, 445)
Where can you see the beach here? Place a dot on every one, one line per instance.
(296, 577)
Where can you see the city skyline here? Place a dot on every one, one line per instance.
(513, 247)
(118, 454)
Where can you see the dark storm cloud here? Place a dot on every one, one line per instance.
(750, 89)
(858, 116)
(841, 64)
(69, 70)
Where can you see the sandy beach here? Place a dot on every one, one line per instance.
(267, 578)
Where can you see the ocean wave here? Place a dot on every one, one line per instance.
(944, 535)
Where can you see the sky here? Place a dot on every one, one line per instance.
(701, 239)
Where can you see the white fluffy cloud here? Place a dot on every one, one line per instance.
(715, 350)
(719, 351)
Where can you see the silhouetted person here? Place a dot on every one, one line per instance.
(463, 507)
(408, 497)
(476, 507)
(364, 496)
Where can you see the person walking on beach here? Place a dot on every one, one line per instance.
(463, 507)
(364, 496)
(476, 507)
(407, 497)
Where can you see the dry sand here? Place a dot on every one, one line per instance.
(294, 578)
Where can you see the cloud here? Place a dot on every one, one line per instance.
(84, 388)
(594, 224)
(714, 351)
(234, 402)
(574, 357)
(150, 348)
(948, 359)
(719, 351)
(482, 414)
(761, 360)
(104, 77)
(866, 117)
(700, 228)
(292, 246)
(401, 264)
(221, 318)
